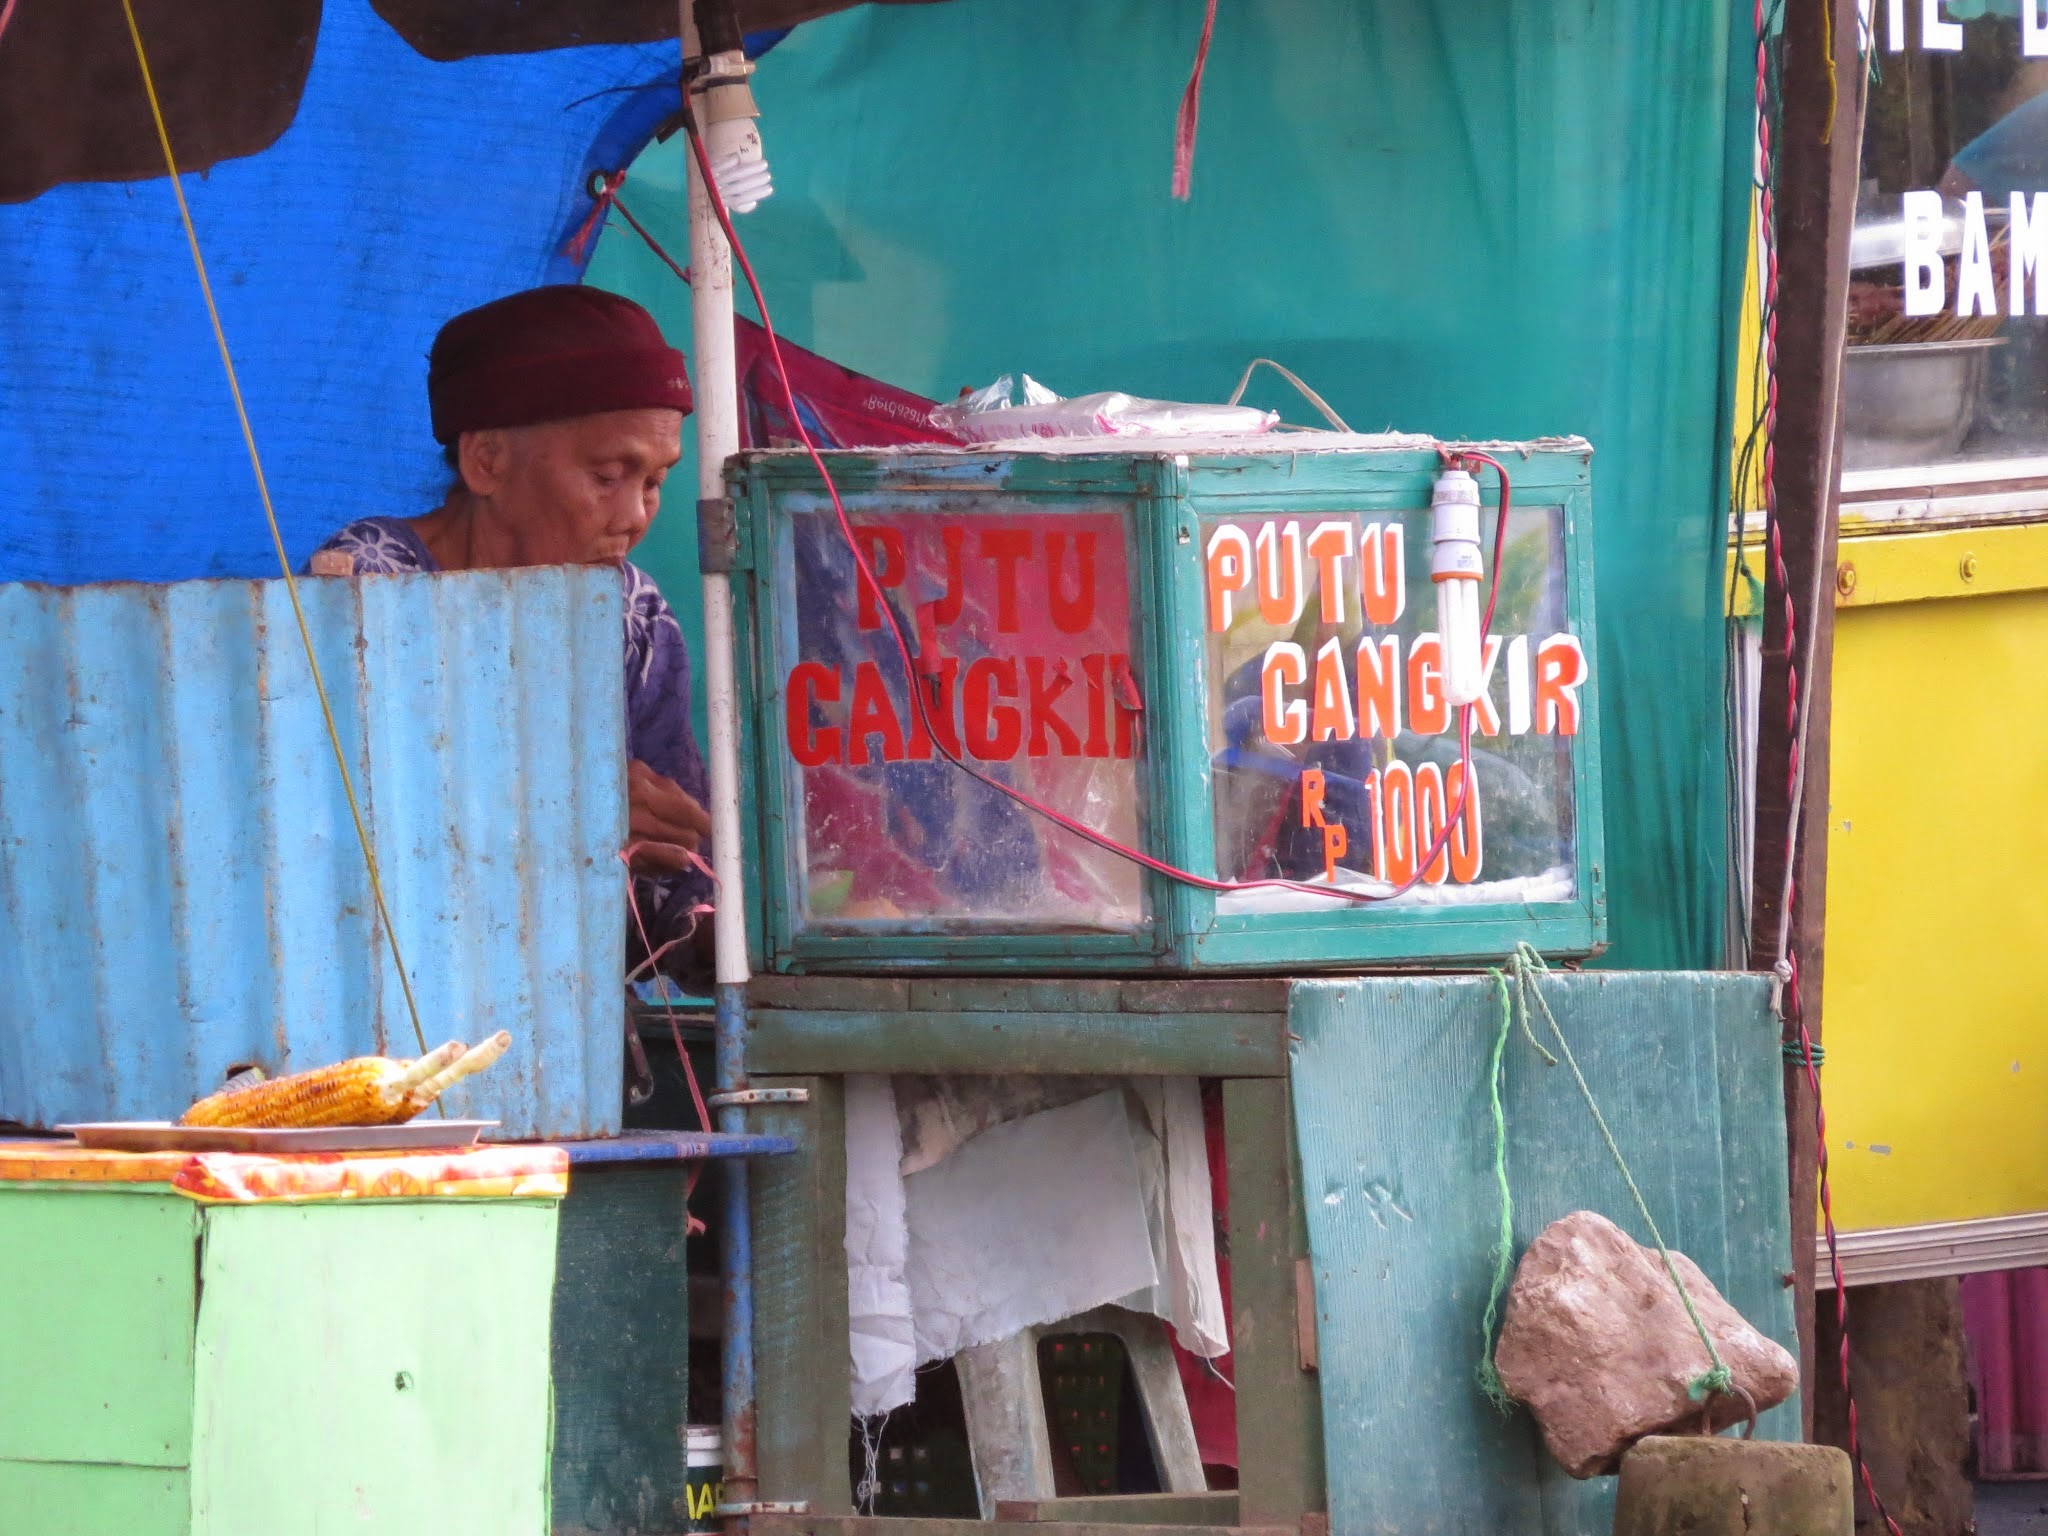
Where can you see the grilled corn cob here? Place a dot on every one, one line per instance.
(370, 1090)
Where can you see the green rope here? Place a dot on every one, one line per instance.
(1527, 966)
(1794, 1052)
(1504, 1245)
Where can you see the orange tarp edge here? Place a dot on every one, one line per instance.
(522, 1172)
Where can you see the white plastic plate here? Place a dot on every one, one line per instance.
(164, 1136)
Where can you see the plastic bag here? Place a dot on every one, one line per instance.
(988, 416)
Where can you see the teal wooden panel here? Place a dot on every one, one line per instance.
(803, 1389)
(1753, 1181)
(42, 1498)
(621, 1351)
(1396, 1142)
(374, 1366)
(1138, 1044)
(98, 1303)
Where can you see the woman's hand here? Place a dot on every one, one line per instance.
(667, 824)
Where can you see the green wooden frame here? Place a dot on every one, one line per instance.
(778, 942)
(1306, 940)
(1165, 495)
(806, 1032)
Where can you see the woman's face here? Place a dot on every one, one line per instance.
(576, 492)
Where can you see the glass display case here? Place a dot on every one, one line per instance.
(1220, 659)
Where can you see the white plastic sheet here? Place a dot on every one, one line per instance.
(1017, 1216)
(1180, 1217)
(1036, 1220)
(877, 1240)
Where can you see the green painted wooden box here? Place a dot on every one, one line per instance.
(1223, 656)
(225, 1370)
(622, 1352)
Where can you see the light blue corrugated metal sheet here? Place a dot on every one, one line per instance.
(180, 884)
(1396, 1138)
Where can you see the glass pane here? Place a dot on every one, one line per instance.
(1948, 344)
(1021, 622)
(1332, 750)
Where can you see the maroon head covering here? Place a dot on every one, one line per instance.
(549, 354)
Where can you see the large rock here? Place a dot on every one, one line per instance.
(1598, 1345)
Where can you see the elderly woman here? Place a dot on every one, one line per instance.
(561, 412)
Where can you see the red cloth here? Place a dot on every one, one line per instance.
(839, 408)
(2005, 1315)
(549, 354)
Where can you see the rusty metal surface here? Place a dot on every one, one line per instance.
(180, 884)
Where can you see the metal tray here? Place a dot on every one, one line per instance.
(164, 1136)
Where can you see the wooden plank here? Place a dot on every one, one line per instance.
(1088, 1044)
(981, 994)
(1397, 1149)
(803, 1386)
(1819, 144)
(1479, 935)
(1753, 1183)
(1650, 1044)
(43, 1498)
(1279, 1410)
(827, 992)
(621, 1350)
(1305, 1312)
(99, 1296)
(808, 1525)
(1219, 1508)
(1239, 995)
(374, 1365)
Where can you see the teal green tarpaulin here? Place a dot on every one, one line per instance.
(1466, 217)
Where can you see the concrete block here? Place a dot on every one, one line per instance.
(1677, 1486)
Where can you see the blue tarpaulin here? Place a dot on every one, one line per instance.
(404, 191)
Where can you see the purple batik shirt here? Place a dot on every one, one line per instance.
(658, 730)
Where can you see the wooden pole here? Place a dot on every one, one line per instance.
(1818, 150)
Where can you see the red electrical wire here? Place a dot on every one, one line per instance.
(1187, 119)
(675, 1028)
(911, 673)
(1788, 962)
(604, 198)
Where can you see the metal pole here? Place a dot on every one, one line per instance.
(718, 437)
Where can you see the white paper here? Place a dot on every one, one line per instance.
(1558, 883)
(939, 1115)
(1033, 1221)
(877, 1244)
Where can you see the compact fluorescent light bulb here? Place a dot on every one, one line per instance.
(732, 137)
(1456, 568)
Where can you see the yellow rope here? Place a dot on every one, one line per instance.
(1827, 18)
(270, 515)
